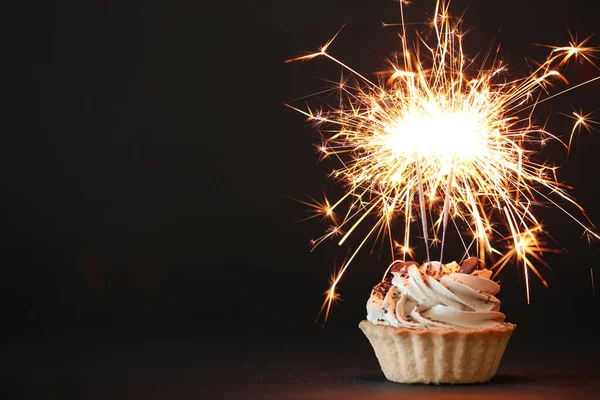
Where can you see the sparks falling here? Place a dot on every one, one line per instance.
(442, 146)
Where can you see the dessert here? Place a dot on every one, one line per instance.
(437, 323)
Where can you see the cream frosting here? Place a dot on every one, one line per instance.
(436, 296)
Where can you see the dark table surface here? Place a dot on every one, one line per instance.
(318, 365)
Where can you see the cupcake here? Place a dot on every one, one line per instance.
(437, 323)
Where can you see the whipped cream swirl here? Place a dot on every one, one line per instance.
(437, 296)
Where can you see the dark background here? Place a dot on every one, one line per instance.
(150, 163)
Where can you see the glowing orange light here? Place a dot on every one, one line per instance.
(441, 144)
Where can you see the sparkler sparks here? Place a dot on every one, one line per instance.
(442, 145)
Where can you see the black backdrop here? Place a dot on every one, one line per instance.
(150, 160)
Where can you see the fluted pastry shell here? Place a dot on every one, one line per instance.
(408, 355)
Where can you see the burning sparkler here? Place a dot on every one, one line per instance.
(443, 146)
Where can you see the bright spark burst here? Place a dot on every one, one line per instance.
(576, 49)
(442, 143)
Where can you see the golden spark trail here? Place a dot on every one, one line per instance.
(445, 210)
(444, 140)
